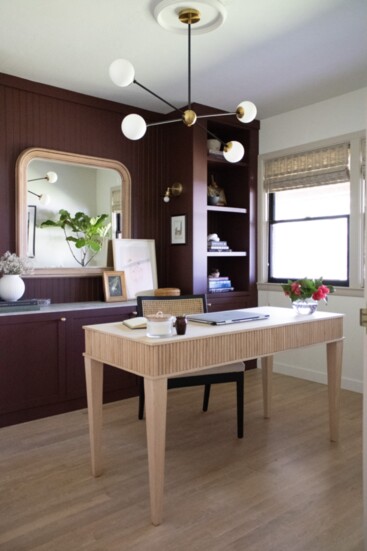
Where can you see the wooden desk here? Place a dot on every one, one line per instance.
(203, 346)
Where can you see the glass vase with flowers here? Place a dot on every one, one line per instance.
(306, 293)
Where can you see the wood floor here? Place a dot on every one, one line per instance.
(284, 487)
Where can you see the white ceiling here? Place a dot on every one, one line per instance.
(280, 54)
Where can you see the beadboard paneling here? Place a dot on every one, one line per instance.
(35, 115)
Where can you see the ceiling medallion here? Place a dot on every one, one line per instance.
(177, 17)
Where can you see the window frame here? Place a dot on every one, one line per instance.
(272, 222)
(357, 213)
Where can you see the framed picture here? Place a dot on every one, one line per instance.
(178, 230)
(114, 286)
(136, 257)
(31, 231)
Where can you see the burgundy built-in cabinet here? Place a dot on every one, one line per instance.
(42, 369)
(44, 375)
(191, 165)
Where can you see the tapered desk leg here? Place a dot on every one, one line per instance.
(94, 381)
(267, 377)
(156, 412)
(334, 373)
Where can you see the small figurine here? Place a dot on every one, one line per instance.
(215, 191)
(213, 237)
(215, 273)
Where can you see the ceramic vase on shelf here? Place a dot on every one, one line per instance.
(11, 287)
(305, 306)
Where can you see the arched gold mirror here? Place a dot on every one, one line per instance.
(48, 181)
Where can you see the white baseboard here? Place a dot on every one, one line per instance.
(317, 377)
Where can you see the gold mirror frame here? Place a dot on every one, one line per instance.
(21, 168)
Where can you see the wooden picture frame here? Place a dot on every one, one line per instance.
(114, 286)
(178, 230)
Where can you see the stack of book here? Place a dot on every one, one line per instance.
(218, 246)
(19, 306)
(219, 284)
(216, 152)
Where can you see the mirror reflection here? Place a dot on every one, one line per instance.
(50, 182)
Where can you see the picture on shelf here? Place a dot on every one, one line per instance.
(136, 257)
(114, 286)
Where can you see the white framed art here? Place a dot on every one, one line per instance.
(137, 258)
(178, 230)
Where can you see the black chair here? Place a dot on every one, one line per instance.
(193, 304)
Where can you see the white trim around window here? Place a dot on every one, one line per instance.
(356, 217)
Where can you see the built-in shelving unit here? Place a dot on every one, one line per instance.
(233, 222)
(194, 166)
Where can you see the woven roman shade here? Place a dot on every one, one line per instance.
(319, 167)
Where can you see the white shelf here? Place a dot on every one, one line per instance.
(232, 253)
(232, 210)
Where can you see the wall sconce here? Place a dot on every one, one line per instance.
(44, 198)
(50, 176)
(174, 191)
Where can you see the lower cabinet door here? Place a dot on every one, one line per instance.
(42, 364)
(32, 364)
(117, 384)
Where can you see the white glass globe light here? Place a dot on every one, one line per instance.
(249, 111)
(51, 177)
(133, 127)
(44, 199)
(122, 72)
(234, 153)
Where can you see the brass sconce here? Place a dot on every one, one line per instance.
(174, 191)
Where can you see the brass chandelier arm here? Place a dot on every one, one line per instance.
(200, 125)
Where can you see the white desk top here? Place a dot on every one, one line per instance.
(277, 317)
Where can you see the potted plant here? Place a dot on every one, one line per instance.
(85, 232)
(11, 284)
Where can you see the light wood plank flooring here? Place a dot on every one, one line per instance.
(284, 487)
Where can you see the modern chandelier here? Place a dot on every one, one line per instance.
(134, 127)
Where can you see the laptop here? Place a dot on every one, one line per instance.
(227, 317)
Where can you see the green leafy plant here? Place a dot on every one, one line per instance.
(89, 233)
(307, 288)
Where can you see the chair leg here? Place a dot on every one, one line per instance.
(206, 397)
(240, 406)
(141, 398)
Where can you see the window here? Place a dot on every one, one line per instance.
(309, 233)
(309, 215)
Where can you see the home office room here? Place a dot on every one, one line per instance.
(182, 290)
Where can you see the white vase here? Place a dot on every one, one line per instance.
(11, 287)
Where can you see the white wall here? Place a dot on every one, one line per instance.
(322, 121)
(340, 115)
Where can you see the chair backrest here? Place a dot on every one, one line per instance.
(177, 306)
